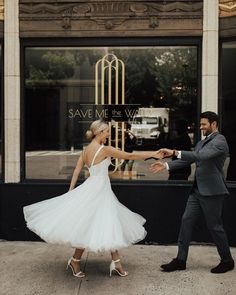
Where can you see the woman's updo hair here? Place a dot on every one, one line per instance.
(95, 128)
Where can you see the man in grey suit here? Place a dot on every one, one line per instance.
(207, 193)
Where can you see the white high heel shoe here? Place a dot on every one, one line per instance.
(113, 267)
(79, 274)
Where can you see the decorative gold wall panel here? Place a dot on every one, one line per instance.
(110, 18)
(110, 78)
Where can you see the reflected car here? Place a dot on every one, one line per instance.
(146, 127)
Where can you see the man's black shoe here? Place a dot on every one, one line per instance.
(175, 264)
(223, 267)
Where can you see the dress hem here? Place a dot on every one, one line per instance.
(87, 248)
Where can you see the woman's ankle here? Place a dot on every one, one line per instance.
(76, 266)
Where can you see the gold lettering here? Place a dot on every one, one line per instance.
(70, 113)
(80, 113)
(85, 113)
(77, 113)
(116, 113)
(106, 113)
(102, 114)
(90, 114)
(130, 113)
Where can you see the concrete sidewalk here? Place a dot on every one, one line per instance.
(37, 268)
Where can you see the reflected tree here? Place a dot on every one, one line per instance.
(160, 76)
(50, 66)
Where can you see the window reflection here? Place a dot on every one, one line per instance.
(1, 116)
(229, 103)
(161, 81)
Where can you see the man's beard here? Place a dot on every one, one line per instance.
(207, 132)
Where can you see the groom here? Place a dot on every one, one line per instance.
(207, 194)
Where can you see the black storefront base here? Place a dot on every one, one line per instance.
(161, 204)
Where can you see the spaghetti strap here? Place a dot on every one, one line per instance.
(96, 155)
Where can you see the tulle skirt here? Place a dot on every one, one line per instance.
(90, 216)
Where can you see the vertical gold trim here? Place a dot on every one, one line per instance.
(109, 139)
(117, 135)
(102, 81)
(104, 69)
(109, 83)
(117, 80)
(123, 136)
(96, 83)
(123, 83)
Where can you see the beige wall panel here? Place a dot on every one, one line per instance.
(110, 18)
(88, 28)
(228, 27)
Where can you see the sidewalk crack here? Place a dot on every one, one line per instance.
(84, 270)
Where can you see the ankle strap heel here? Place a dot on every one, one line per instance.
(74, 259)
(113, 268)
(79, 274)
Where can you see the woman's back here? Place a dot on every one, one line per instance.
(93, 154)
(95, 162)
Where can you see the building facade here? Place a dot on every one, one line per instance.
(147, 67)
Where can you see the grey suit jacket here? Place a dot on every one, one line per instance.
(209, 156)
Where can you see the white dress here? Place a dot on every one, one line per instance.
(89, 216)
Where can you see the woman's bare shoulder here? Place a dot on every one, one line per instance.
(113, 152)
(108, 148)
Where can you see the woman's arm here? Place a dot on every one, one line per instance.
(118, 154)
(76, 173)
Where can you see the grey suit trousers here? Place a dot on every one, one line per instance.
(211, 206)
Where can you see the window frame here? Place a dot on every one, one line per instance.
(2, 123)
(103, 42)
(232, 183)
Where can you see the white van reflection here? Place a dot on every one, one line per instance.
(147, 128)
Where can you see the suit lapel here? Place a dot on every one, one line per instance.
(203, 142)
(210, 138)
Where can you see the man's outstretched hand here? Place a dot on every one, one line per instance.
(157, 167)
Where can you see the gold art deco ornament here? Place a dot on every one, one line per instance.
(110, 90)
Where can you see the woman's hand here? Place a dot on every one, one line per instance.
(166, 153)
(159, 154)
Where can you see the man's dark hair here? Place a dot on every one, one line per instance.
(211, 116)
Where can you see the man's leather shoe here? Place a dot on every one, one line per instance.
(175, 264)
(223, 267)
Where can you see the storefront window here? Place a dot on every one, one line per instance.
(1, 117)
(229, 103)
(155, 88)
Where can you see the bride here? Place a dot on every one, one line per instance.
(90, 216)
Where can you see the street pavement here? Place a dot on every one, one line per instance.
(37, 268)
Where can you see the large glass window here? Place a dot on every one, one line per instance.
(1, 117)
(229, 103)
(66, 88)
